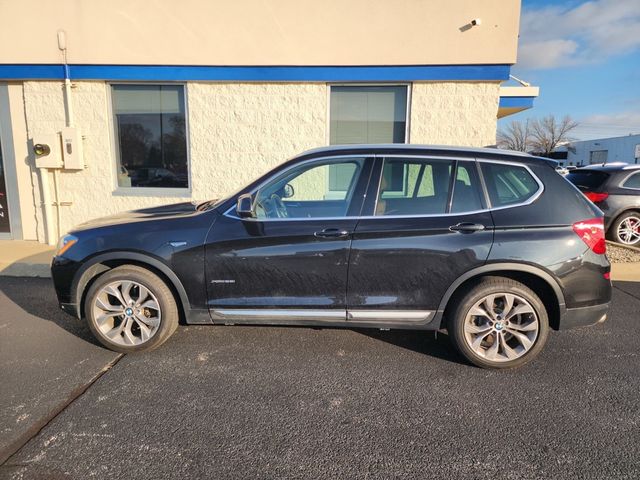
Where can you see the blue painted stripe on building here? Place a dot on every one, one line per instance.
(258, 73)
(516, 102)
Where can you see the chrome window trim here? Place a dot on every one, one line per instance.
(529, 201)
(623, 181)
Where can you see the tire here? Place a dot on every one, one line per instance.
(115, 320)
(622, 230)
(475, 336)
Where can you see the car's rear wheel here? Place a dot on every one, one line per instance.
(498, 323)
(130, 309)
(626, 228)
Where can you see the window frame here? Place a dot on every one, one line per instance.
(407, 120)
(627, 178)
(456, 159)
(323, 160)
(113, 132)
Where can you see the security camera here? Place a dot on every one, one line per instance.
(476, 22)
(41, 149)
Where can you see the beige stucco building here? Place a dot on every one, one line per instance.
(145, 103)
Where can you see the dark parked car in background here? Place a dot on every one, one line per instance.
(386, 236)
(615, 189)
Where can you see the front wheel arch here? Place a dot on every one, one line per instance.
(105, 262)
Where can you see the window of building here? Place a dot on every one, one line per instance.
(368, 114)
(508, 184)
(414, 187)
(150, 128)
(598, 156)
(304, 192)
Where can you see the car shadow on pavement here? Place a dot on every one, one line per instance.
(37, 297)
(432, 343)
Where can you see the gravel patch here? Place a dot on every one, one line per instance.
(622, 255)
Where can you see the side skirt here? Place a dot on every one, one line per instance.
(404, 319)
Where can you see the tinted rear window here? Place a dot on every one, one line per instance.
(587, 179)
(508, 184)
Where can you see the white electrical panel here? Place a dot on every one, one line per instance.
(72, 149)
(47, 151)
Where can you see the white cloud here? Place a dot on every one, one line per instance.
(608, 125)
(555, 36)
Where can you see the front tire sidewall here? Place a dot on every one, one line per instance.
(169, 318)
(488, 287)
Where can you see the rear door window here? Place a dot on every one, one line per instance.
(508, 184)
(467, 192)
(413, 186)
(587, 180)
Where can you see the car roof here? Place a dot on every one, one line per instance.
(610, 167)
(395, 148)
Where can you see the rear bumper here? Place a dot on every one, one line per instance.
(584, 316)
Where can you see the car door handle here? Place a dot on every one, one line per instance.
(466, 227)
(332, 233)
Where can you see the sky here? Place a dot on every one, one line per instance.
(585, 57)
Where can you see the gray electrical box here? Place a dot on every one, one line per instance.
(72, 149)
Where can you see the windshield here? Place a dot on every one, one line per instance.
(587, 179)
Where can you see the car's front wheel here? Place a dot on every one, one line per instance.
(498, 323)
(130, 309)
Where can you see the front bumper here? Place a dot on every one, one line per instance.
(584, 316)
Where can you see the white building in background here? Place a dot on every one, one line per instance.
(604, 150)
(145, 103)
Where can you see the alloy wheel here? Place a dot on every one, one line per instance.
(501, 327)
(126, 313)
(629, 230)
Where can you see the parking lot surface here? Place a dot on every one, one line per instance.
(268, 402)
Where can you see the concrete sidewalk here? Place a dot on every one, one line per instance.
(25, 259)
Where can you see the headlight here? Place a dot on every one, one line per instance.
(65, 243)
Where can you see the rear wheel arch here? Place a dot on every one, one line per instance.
(541, 282)
(100, 264)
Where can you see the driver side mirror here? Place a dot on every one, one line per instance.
(244, 207)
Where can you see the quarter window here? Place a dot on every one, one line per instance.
(304, 192)
(508, 184)
(150, 135)
(633, 181)
(414, 187)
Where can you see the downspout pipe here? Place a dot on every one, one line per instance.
(46, 203)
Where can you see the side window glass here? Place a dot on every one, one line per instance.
(633, 181)
(310, 191)
(467, 192)
(508, 184)
(414, 187)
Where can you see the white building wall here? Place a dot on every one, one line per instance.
(619, 149)
(236, 132)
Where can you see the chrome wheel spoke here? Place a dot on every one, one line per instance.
(509, 352)
(150, 321)
(484, 328)
(489, 303)
(522, 338)
(520, 309)
(125, 323)
(478, 311)
(531, 326)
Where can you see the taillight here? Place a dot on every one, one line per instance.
(592, 233)
(596, 197)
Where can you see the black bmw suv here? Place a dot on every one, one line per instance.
(615, 189)
(493, 246)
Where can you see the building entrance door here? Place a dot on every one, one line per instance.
(5, 229)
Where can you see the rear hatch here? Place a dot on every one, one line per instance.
(588, 180)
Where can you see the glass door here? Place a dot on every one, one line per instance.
(4, 206)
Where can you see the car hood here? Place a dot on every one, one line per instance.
(144, 214)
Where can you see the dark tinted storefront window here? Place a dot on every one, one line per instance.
(150, 135)
(4, 207)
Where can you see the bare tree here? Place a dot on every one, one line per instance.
(547, 133)
(516, 136)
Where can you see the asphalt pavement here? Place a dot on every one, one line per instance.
(269, 402)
